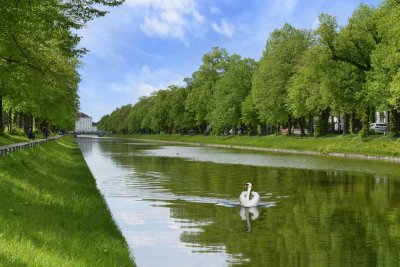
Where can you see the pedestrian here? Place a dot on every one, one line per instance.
(31, 135)
(45, 132)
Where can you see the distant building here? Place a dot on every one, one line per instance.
(84, 123)
(381, 117)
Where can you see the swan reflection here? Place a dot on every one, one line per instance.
(248, 215)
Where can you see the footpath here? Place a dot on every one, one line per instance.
(6, 149)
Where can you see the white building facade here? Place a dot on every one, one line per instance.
(84, 124)
(381, 117)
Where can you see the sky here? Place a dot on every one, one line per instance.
(146, 45)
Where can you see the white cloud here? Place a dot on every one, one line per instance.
(224, 28)
(284, 8)
(315, 23)
(135, 85)
(215, 10)
(168, 19)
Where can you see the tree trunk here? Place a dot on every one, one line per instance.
(26, 123)
(372, 114)
(346, 123)
(310, 125)
(353, 122)
(1, 115)
(290, 125)
(366, 120)
(395, 122)
(10, 122)
(302, 122)
(332, 125)
(322, 123)
(20, 120)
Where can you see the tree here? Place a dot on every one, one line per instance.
(39, 55)
(178, 119)
(384, 79)
(229, 92)
(306, 97)
(214, 65)
(353, 45)
(249, 115)
(137, 115)
(270, 82)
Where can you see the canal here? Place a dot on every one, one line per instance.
(178, 205)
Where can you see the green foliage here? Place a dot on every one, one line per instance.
(303, 76)
(384, 79)
(304, 92)
(270, 81)
(178, 119)
(249, 115)
(229, 92)
(39, 56)
(214, 65)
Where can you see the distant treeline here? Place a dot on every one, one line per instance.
(303, 78)
(39, 57)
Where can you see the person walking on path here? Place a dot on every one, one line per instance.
(45, 132)
(31, 135)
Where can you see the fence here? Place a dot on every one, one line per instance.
(4, 150)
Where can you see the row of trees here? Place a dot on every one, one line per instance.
(303, 78)
(39, 57)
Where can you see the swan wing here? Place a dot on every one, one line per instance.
(254, 200)
(242, 198)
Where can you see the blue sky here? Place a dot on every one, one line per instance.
(146, 45)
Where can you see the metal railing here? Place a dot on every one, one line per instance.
(7, 149)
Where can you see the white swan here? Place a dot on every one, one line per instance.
(245, 215)
(245, 200)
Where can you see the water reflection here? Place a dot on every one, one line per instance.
(249, 213)
(178, 206)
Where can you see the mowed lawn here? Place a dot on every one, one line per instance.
(51, 213)
(6, 139)
(376, 145)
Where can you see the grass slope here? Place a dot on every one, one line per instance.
(6, 139)
(51, 213)
(353, 144)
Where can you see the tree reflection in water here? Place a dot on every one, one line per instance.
(341, 213)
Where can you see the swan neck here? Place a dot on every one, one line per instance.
(248, 192)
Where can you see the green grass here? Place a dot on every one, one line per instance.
(51, 213)
(6, 139)
(377, 145)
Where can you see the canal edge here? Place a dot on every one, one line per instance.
(280, 150)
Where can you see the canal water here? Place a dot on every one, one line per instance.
(178, 205)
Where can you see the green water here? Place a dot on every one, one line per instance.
(178, 206)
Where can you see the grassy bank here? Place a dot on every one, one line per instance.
(6, 139)
(353, 144)
(51, 213)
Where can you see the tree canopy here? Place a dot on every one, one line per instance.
(303, 79)
(39, 57)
